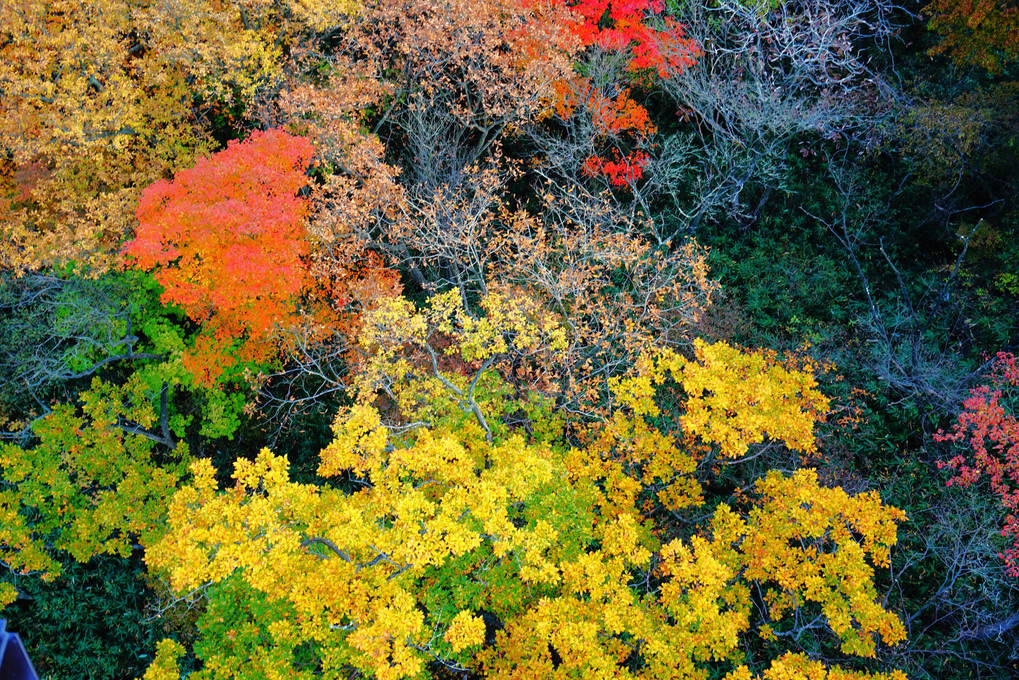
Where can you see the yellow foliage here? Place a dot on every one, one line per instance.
(812, 544)
(465, 630)
(8, 594)
(359, 440)
(428, 502)
(548, 543)
(800, 667)
(87, 487)
(736, 398)
(99, 102)
(165, 666)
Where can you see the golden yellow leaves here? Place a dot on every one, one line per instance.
(359, 439)
(100, 100)
(561, 530)
(817, 545)
(447, 524)
(650, 457)
(806, 545)
(702, 594)
(621, 538)
(736, 398)
(8, 594)
(339, 560)
(98, 119)
(509, 322)
(165, 666)
(442, 362)
(219, 533)
(465, 630)
(801, 667)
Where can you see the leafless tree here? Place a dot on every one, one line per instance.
(768, 74)
(971, 609)
(912, 337)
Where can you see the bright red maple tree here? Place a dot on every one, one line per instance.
(226, 239)
(989, 426)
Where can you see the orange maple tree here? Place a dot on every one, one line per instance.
(227, 241)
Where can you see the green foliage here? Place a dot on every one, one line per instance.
(92, 485)
(91, 623)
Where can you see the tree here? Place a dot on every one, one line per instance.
(775, 72)
(357, 194)
(607, 134)
(597, 119)
(227, 240)
(88, 118)
(616, 292)
(104, 97)
(58, 333)
(461, 71)
(982, 33)
(507, 555)
(93, 483)
(566, 338)
(990, 430)
(635, 27)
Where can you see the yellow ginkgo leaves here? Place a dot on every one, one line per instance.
(736, 398)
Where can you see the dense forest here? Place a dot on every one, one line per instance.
(510, 338)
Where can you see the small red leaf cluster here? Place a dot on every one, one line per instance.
(621, 172)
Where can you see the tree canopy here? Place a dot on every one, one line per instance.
(650, 339)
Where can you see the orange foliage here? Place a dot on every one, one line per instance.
(621, 27)
(359, 191)
(610, 115)
(227, 238)
(979, 32)
(480, 63)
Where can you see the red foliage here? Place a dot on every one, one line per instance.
(611, 118)
(227, 240)
(622, 172)
(622, 26)
(619, 25)
(990, 428)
